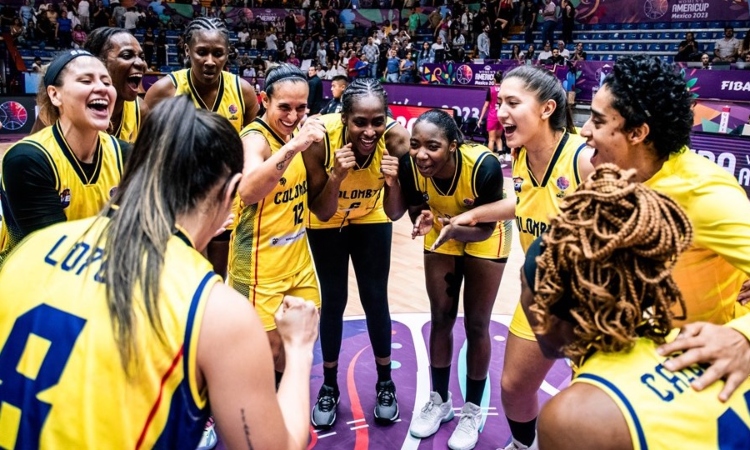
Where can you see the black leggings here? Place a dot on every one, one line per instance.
(370, 249)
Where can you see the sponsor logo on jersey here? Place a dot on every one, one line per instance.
(517, 181)
(65, 198)
(562, 184)
(287, 239)
(232, 109)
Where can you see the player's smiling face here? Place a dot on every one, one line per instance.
(365, 124)
(85, 96)
(520, 112)
(126, 65)
(286, 106)
(604, 133)
(431, 151)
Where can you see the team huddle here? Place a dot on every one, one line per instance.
(122, 217)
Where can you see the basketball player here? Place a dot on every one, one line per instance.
(71, 168)
(631, 127)
(621, 397)
(494, 127)
(123, 57)
(353, 194)
(550, 164)
(443, 177)
(127, 338)
(269, 256)
(206, 50)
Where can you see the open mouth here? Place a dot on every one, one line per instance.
(99, 105)
(367, 144)
(509, 129)
(134, 81)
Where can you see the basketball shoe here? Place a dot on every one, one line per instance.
(323, 414)
(434, 413)
(386, 410)
(209, 438)
(466, 434)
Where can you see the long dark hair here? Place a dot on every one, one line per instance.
(181, 154)
(545, 85)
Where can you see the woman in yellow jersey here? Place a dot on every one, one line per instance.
(207, 49)
(551, 162)
(641, 119)
(353, 193)
(122, 54)
(440, 178)
(621, 397)
(128, 334)
(71, 168)
(269, 256)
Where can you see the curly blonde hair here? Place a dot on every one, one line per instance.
(609, 254)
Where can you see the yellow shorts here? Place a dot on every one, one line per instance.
(497, 246)
(520, 326)
(268, 297)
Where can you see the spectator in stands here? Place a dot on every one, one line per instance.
(64, 31)
(249, 72)
(271, 41)
(118, 12)
(556, 59)
(528, 16)
(745, 46)
(101, 15)
(434, 19)
(530, 54)
(131, 19)
(338, 85)
(549, 14)
(372, 52)
(706, 60)
(438, 51)
(351, 64)
(515, 54)
(37, 65)
(16, 31)
(79, 36)
(481, 19)
(688, 50)
(161, 49)
(406, 69)
(568, 14)
(564, 52)
(149, 45)
(363, 67)
(483, 43)
(578, 53)
(458, 41)
(414, 22)
(293, 60)
(505, 16)
(290, 23)
(315, 95)
(546, 53)
(424, 55)
(726, 49)
(242, 37)
(392, 67)
(443, 28)
(26, 13)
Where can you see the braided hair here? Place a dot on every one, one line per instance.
(205, 24)
(361, 88)
(607, 262)
(99, 41)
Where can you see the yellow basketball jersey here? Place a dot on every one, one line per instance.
(63, 385)
(711, 272)
(131, 121)
(361, 192)
(81, 195)
(229, 100)
(459, 198)
(538, 200)
(269, 242)
(661, 409)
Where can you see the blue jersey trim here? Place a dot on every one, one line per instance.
(624, 400)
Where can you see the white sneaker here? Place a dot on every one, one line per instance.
(466, 434)
(434, 413)
(515, 445)
(209, 438)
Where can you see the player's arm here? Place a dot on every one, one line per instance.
(582, 417)
(234, 361)
(160, 90)
(419, 211)
(397, 146)
(143, 107)
(585, 168)
(488, 183)
(251, 102)
(263, 170)
(323, 188)
(31, 189)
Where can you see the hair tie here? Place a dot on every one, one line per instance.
(59, 63)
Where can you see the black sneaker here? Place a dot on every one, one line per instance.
(386, 411)
(323, 414)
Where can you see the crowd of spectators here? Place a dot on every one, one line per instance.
(311, 36)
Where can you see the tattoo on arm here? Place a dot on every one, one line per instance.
(289, 155)
(246, 427)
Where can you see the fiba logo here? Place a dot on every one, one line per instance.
(65, 198)
(464, 74)
(655, 9)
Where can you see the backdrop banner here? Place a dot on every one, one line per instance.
(638, 11)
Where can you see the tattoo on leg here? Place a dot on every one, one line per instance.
(289, 155)
(246, 427)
